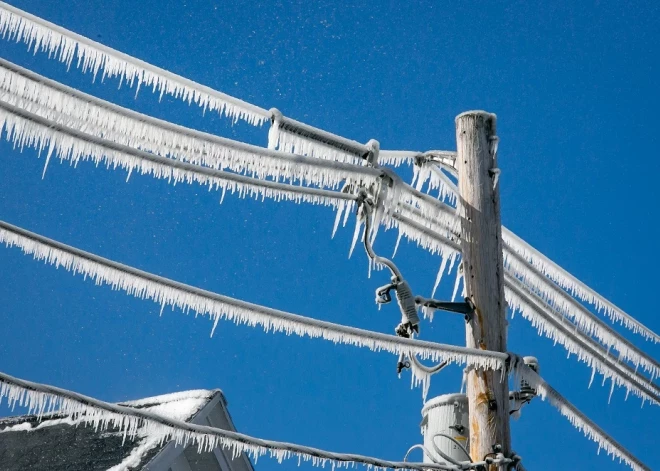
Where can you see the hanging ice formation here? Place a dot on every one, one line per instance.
(132, 422)
(26, 129)
(68, 107)
(90, 56)
(568, 336)
(580, 421)
(187, 298)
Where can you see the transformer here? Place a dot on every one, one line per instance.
(445, 427)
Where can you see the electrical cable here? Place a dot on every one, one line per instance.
(40, 397)
(18, 25)
(168, 292)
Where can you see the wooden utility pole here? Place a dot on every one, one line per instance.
(481, 243)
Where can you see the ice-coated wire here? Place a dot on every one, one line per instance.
(566, 305)
(167, 292)
(578, 419)
(65, 45)
(27, 129)
(39, 398)
(74, 109)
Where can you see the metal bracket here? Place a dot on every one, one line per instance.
(466, 308)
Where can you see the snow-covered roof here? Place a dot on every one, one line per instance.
(54, 442)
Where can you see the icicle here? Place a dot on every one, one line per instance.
(396, 246)
(459, 275)
(443, 265)
(356, 235)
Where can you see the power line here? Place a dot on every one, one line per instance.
(40, 397)
(92, 56)
(167, 292)
(90, 115)
(26, 128)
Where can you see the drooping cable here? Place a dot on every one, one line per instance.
(40, 398)
(167, 292)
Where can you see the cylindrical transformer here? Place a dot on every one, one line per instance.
(442, 417)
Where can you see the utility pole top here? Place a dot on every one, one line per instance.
(486, 114)
(481, 244)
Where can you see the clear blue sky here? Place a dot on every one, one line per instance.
(574, 85)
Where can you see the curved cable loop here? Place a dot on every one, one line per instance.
(456, 442)
(430, 370)
(444, 455)
(426, 452)
(366, 202)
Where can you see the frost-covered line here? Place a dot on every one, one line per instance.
(91, 115)
(65, 45)
(39, 398)
(569, 306)
(146, 285)
(574, 286)
(27, 129)
(551, 324)
(578, 419)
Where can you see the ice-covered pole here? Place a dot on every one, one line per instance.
(481, 243)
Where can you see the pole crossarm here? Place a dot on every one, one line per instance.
(39, 398)
(164, 291)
